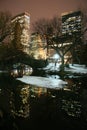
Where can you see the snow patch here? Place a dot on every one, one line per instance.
(43, 82)
(75, 68)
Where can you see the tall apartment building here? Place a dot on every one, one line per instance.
(71, 23)
(72, 26)
(23, 20)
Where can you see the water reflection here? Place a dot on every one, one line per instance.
(28, 106)
(19, 101)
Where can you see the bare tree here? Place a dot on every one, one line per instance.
(13, 50)
(47, 29)
(17, 32)
(51, 31)
(84, 30)
(5, 18)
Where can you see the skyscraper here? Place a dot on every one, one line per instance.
(72, 30)
(23, 20)
(71, 23)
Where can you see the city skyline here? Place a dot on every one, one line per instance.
(41, 8)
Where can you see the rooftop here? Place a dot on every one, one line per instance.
(21, 14)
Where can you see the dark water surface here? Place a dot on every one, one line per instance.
(29, 107)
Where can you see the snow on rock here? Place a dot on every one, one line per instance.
(43, 81)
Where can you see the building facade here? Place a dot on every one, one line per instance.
(23, 22)
(71, 23)
(72, 27)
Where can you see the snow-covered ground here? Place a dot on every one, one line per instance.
(75, 68)
(53, 81)
(52, 67)
(43, 81)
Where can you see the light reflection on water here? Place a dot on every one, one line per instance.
(35, 103)
(19, 101)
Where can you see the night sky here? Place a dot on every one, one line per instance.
(41, 8)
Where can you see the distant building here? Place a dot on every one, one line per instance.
(71, 23)
(72, 26)
(37, 47)
(24, 22)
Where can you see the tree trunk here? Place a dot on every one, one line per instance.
(62, 64)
